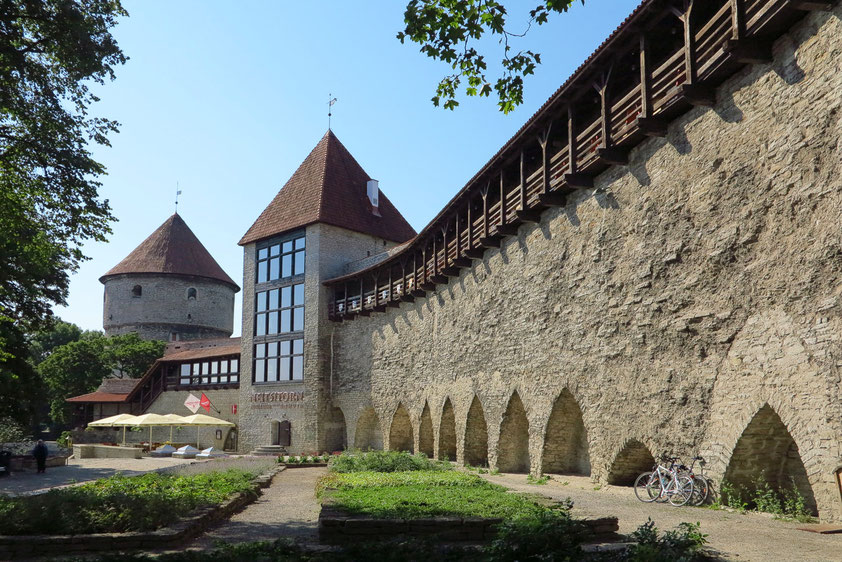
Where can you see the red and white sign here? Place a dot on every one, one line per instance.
(205, 403)
(233, 408)
(192, 403)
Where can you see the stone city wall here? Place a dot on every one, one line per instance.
(690, 303)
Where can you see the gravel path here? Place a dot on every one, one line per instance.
(287, 508)
(746, 537)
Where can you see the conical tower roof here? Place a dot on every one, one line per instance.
(329, 187)
(172, 248)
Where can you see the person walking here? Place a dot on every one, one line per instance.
(40, 454)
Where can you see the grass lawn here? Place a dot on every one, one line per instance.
(420, 494)
(119, 503)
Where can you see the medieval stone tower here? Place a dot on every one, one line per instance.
(169, 288)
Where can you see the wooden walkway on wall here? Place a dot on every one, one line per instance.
(667, 57)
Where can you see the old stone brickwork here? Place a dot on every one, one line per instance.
(164, 307)
(690, 303)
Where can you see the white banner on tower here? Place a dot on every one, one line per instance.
(192, 403)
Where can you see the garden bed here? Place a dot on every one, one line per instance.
(154, 529)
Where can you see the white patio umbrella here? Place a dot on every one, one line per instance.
(200, 420)
(151, 420)
(124, 420)
(175, 419)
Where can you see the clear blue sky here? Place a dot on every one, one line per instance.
(228, 98)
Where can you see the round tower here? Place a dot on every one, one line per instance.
(169, 288)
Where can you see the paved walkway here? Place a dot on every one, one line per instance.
(746, 537)
(82, 470)
(287, 508)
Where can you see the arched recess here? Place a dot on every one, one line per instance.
(425, 433)
(335, 432)
(447, 433)
(566, 440)
(368, 435)
(476, 436)
(766, 452)
(513, 446)
(629, 463)
(400, 433)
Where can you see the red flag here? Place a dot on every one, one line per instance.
(205, 402)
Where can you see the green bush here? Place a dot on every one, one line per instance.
(784, 502)
(384, 461)
(545, 535)
(684, 544)
(119, 503)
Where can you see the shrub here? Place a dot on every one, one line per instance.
(119, 503)
(684, 544)
(12, 432)
(384, 461)
(545, 535)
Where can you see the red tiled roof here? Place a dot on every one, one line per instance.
(172, 248)
(202, 353)
(99, 397)
(329, 187)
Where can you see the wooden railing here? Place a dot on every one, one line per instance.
(474, 221)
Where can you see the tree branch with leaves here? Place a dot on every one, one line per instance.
(448, 30)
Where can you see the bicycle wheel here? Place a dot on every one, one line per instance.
(643, 487)
(701, 490)
(681, 490)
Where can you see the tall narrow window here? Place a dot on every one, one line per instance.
(137, 291)
(191, 294)
(281, 261)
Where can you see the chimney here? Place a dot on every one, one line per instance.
(373, 192)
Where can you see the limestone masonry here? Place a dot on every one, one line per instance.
(688, 302)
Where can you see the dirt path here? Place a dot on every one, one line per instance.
(287, 508)
(746, 537)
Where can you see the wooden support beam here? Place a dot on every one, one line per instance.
(543, 140)
(613, 155)
(529, 215)
(475, 253)
(571, 144)
(553, 199)
(579, 181)
(409, 297)
(511, 228)
(652, 126)
(749, 51)
(738, 19)
(522, 175)
(451, 271)
(817, 5)
(490, 241)
(463, 262)
(645, 91)
(419, 292)
(698, 94)
(685, 16)
(395, 304)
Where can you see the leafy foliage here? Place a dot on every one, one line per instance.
(786, 502)
(447, 30)
(79, 366)
(550, 533)
(51, 51)
(684, 544)
(422, 493)
(384, 461)
(11, 431)
(119, 503)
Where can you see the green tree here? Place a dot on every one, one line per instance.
(131, 356)
(448, 30)
(79, 366)
(73, 369)
(21, 390)
(43, 342)
(51, 51)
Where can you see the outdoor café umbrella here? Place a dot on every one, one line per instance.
(116, 421)
(175, 419)
(201, 419)
(151, 420)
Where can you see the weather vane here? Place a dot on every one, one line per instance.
(331, 100)
(177, 193)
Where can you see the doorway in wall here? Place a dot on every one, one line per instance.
(281, 433)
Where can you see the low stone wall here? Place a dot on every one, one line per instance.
(106, 452)
(25, 546)
(21, 463)
(336, 526)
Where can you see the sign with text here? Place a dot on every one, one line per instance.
(276, 397)
(205, 403)
(192, 403)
